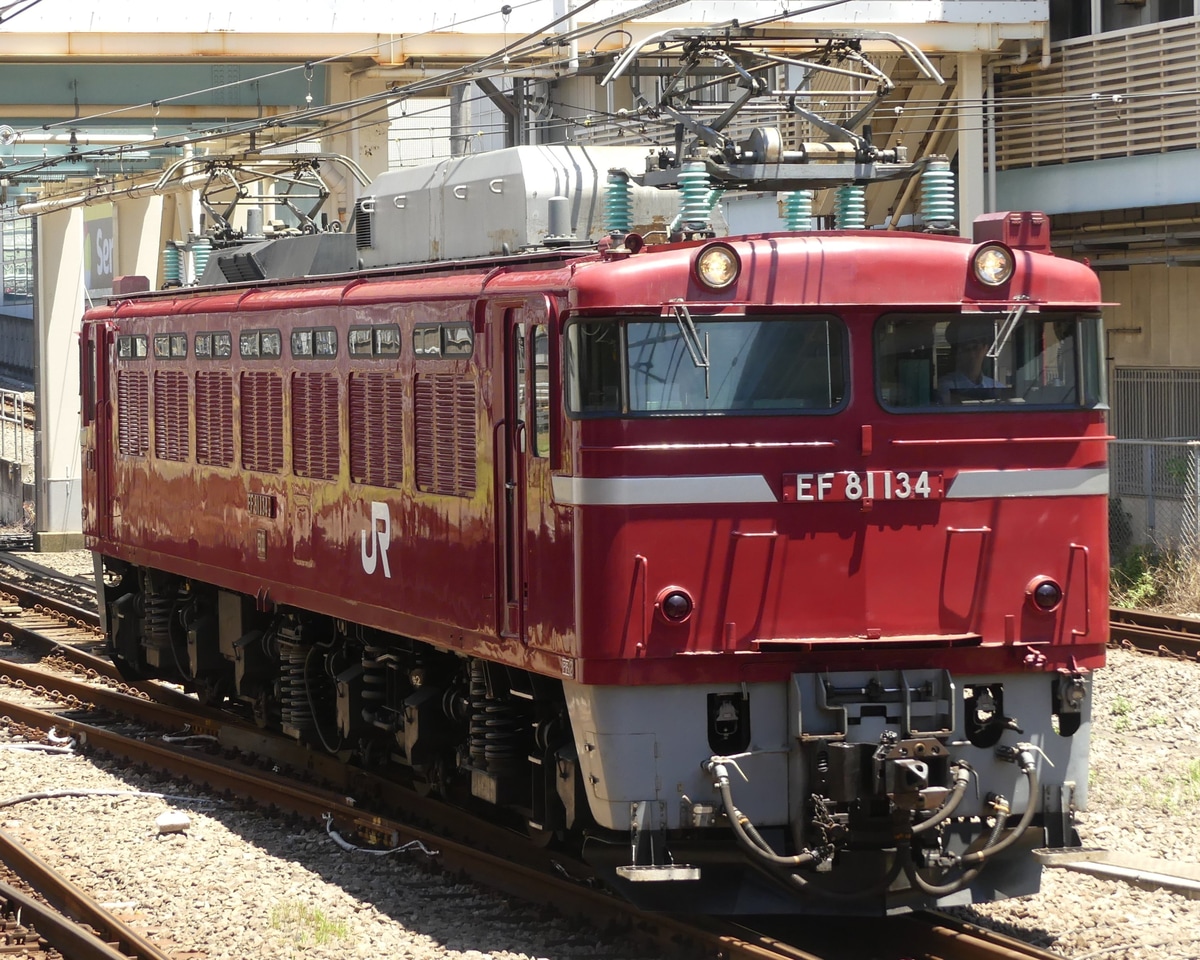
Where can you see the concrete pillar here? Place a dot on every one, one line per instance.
(366, 144)
(57, 309)
(460, 120)
(971, 186)
(139, 238)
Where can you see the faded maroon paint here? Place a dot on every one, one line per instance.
(828, 571)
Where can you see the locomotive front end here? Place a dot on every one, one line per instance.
(840, 518)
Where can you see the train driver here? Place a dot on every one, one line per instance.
(969, 341)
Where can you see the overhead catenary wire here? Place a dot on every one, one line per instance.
(309, 119)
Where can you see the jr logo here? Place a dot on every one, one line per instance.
(375, 541)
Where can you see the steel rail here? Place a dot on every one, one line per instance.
(489, 862)
(1155, 632)
(939, 935)
(64, 932)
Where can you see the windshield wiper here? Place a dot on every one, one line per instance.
(1006, 328)
(691, 339)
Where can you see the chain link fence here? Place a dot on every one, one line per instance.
(1154, 496)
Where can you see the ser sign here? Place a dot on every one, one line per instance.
(862, 485)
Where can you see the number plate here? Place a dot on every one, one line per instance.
(863, 485)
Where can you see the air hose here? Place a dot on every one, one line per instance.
(1022, 755)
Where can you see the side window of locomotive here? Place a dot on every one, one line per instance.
(318, 342)
(593, 362)
(212, 346)
(387, 341)
(170, 346)
(520, 379)
(541, 392)
(131, 347)
(450, 340)
(377, 341)
(458, 340)
(987, 361)
(253, 344)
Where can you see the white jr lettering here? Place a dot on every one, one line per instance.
(379, 536)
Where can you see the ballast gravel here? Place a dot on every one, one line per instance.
(240, 884)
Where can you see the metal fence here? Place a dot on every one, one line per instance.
(13, 410)
(1154, 495)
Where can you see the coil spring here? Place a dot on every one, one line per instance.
(504, 742)
(618, 210)
(158, 609)
(477, 734)
(851, 207)
(937, 195)
(374, 681)
(293, 692)
(797, 209)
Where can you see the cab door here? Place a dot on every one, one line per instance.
(523, 441)
(95, 361)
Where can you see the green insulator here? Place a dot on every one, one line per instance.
(201, 249)
(618, 205)
(172, 265)
(937, 195)
(850, 207)
(797, 209)
(695, 201)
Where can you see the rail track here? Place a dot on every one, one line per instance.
(1155, 633)
(61, 919)
(89, 694)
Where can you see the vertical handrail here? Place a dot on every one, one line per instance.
(640, 563)
(1087, 607)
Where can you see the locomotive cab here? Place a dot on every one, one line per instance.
(871, 535)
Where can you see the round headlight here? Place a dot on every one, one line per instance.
(675, 604)
(1044, 593)
(993, 264)
(718, 266)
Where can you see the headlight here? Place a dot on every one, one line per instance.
(993, 264)
(1044, 593)
(717, 266)
(675, 604)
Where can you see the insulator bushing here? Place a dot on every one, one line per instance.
(937, 195)
(201, 249)
(851, 207)
(694, 199)
(797, 209)
(618, 206)
(172, 265)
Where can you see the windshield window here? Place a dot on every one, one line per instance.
(684, 364)
(988, 361)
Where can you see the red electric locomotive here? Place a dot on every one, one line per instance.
(767, 571)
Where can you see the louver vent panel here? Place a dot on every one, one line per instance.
(171, 432)
(445, 435)
(133, 413)
(376, 441)
(362, 226)
(214, 418)
(262, 421)
(315, 425)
